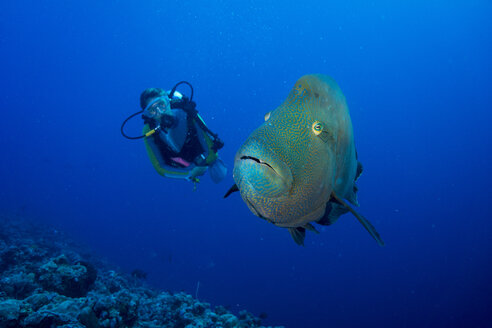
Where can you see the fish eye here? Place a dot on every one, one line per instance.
(317, 127)
(267, 116)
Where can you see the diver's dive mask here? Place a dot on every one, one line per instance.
(157, 108)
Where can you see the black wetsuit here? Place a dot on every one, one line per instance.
(192, 148)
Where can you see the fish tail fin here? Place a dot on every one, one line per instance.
(369, 227)
(298, 234)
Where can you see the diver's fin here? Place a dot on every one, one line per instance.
(310, 227)
(217, 170)
(234, 188)
(332, 212)
(369, 227)
(298, 235)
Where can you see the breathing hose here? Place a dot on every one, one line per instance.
(173, 90)
(123, 125)
(171, 94)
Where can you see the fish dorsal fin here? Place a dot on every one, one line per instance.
(369, 227)
(234, 188)
(298, 234)
(360, 168)
(352, 195)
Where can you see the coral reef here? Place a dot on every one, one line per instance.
(46, 282)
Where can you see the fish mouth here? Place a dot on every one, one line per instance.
(261, 182)
(276, 170)
(265, 176)
(257, 160)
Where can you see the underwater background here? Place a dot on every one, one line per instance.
(417, 78)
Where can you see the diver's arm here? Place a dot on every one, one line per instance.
(218, 144)
(190, 108)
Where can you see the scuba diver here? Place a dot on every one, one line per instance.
(178, 142)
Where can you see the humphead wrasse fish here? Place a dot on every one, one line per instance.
(300, 166)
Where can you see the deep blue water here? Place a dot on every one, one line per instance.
(417, 78)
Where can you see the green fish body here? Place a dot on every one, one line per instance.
(301, 163)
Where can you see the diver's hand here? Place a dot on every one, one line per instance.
(189, 106)
(218, 144)
(167, 121)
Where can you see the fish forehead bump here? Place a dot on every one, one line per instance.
(317, 85)
(287, 133)
(316, 94)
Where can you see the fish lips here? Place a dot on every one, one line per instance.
(261, 175)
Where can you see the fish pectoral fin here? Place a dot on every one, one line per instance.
(298, 234)
(310, 227)
(369, 227)
(234, 188)
(332, 212)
